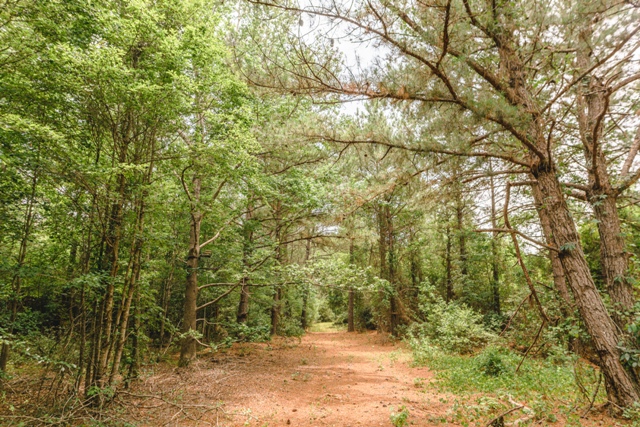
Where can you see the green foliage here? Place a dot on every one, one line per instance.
(451, 327)
(400, 418)
(545, 385)
(291, 328)
(629, 350)
(113, 113)
(245, 333)
(491, 362)
(632, 414)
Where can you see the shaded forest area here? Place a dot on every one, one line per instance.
(180, 176)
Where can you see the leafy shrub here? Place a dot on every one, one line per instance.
(632, 414)
(423, 352)
(245, 333)
(491, 362)
(325, 314)
(290, 328)
(454, 328)
(400, 418)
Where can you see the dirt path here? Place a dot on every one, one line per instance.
(332, 379)
(326, 379)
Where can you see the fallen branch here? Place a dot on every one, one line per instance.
(517, 407)
(593, 398)
(535, 340)
(514, 315)
(502, 415)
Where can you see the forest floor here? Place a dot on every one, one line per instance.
(328, 378)
(324, 379)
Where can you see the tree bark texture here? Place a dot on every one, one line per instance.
(621, 385)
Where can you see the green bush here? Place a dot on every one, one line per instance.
(245, 333)
(491, 362)
(400, 418)
(325, 314)
(633, 414)
(290, 328)
(454, 328)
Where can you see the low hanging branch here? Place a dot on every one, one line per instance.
(519, 233)
(516, 245)
(233, 287)
(208, 285)
(215, 300)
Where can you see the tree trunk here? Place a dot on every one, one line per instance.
(614, 259)
(275, 311)
(383, 256)
(131, 288)
(387, 260)
(559, 281)
(495, 254)
(134, 369)
(16, 281)
(188, 345)
(592, 104)
(305, 290)
(462, 238)
(247, 251)
(166, 297)
(621, 386)
(350, 303)
(114, 235)
(243, 304)
(447, 265)
(276, 306)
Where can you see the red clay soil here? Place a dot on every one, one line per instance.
(332, 379)
(325, 379)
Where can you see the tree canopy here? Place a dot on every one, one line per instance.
(181, 175)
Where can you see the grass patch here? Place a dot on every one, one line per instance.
(553, 388)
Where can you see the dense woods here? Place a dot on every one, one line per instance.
(181, 175)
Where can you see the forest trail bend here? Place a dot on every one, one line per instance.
(325, 379)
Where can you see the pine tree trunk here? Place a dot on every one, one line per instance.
(243, 304)
(462, 238)
(275, 311)
(449, 295)
(593, 102)
(559, 281)
(305, 289)
(188, 345)
(276, 306)
(495, 255)
(247, 251)
(350, 303)
(621, 386)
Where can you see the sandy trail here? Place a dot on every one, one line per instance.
(325, 379)
(331, 379)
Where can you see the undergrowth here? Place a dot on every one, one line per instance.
(486, 385)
